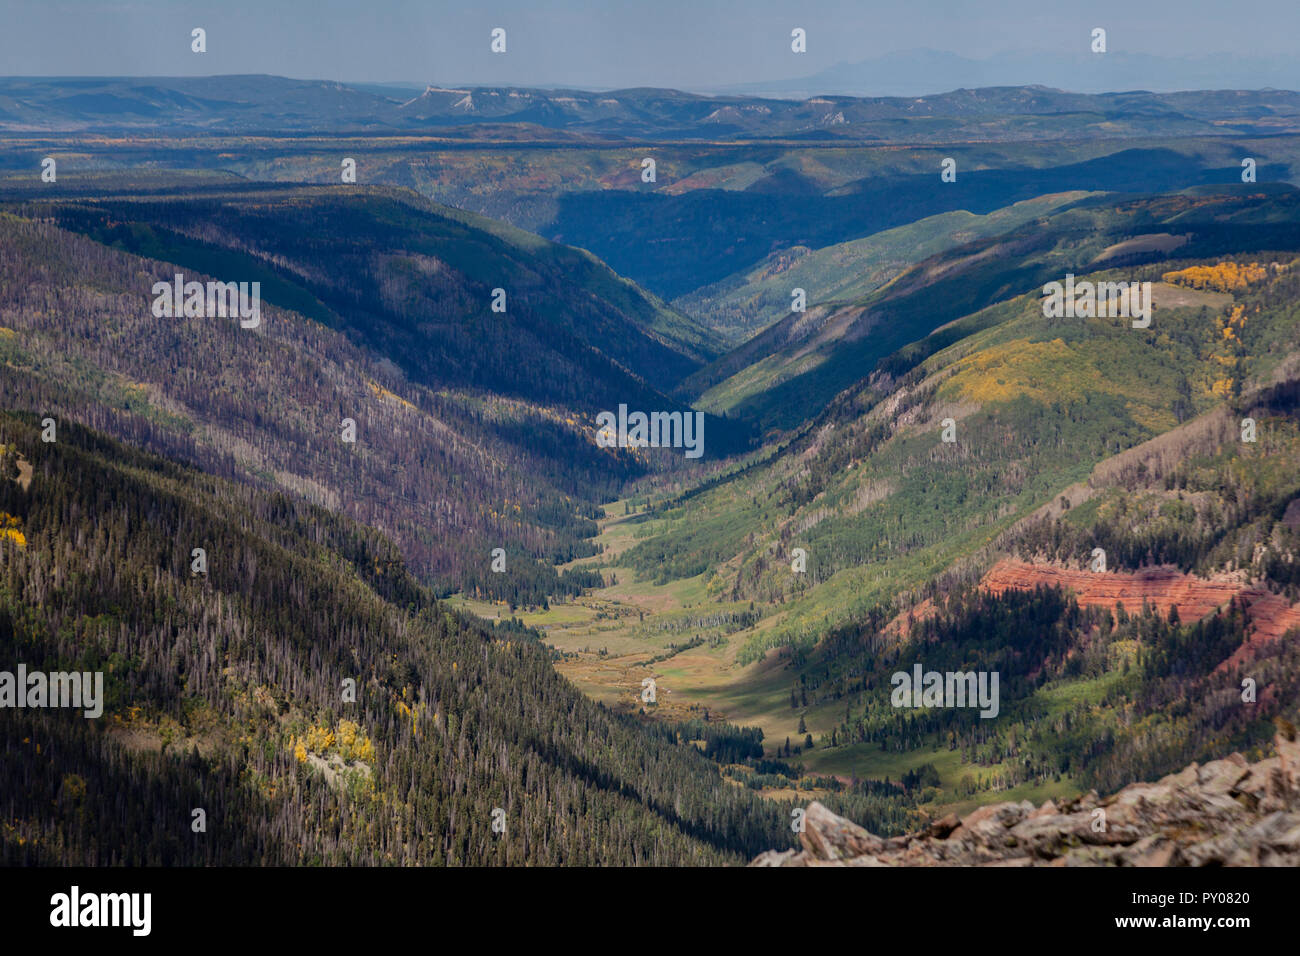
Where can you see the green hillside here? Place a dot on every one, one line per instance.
(788, 373)
(744, 304)
(882, 504)
(1069, 434)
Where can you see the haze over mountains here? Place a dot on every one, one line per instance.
(268, 104)
(739, 184)
(922, 71)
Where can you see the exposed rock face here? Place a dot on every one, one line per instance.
(1163, 587)
(1271, 615)
(1226, 813)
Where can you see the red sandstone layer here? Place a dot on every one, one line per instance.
(1163, 588)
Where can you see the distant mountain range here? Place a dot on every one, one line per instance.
(265, 104)
(923, 72)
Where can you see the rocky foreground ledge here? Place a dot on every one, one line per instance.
(1226, 813)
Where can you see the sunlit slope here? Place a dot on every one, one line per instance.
(789, 372)
(749, 301)
(1123, 674)
(881, 503)
(1162, 687)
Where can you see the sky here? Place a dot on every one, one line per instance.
(599, 44)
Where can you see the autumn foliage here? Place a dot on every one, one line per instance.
(349, 742)
(1224, 277)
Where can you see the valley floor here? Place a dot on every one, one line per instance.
(611, 639)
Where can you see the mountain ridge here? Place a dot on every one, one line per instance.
(250, 103)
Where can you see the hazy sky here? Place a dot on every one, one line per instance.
(688, 44)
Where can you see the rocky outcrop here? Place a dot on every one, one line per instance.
(1228, 812)
(1271, 617)
(1164, 588)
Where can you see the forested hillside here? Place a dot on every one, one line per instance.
(878, 499)
(415, 281)
(860, 548)
(225, 693)
(1105, 694)
(470, 433)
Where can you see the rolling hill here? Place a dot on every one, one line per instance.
(742, 305)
